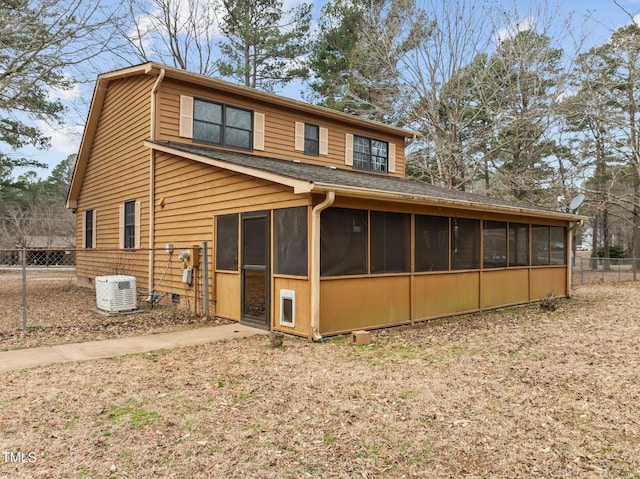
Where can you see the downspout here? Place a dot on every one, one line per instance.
(152, 180)
(578, 224)
(315, 264)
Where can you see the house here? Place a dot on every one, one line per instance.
(311, 226)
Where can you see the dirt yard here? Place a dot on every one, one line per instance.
(517, 393)
(60, 312)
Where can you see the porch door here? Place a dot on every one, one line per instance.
(255, 269)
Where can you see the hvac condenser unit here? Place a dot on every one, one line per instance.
(116, 293)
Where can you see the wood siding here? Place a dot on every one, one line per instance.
(364, 303)
(302, 288)
(279, 140)
(117, 170)
(188, 196)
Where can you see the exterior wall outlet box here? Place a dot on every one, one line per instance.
(187, 276)
(360, 337)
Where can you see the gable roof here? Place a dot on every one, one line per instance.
(164, 71)
(307, 178)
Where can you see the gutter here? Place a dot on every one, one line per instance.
(315, 264)
(579, 224)
(152, 180)
(409, 198)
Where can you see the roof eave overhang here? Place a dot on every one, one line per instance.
(355, 192)
(93, 117)
(304, 186)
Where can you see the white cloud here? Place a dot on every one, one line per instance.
(66, 95)
(636, 19)
(64, 139)
(514, 28)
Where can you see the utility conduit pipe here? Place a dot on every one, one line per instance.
(152, 180)
(315, 263)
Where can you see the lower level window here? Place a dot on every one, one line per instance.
(130, 224)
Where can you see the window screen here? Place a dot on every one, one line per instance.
(291, 240)
(88, 231)
(558, 245)
(130, 224)
(494, 244)
(390, 242)
(311, 139)
(343, 242)
(518, 244)
(227, 242)
(432, 243)
(465, 243)
(540, 245)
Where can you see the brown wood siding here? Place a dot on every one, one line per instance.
(117, 171)
(363, 302)
(505, 287)
(228, 295)
(442, 294)
(279, 127)
(546, 281)
(302, 288)
(192, 194)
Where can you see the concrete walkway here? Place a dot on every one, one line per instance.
(109, 348)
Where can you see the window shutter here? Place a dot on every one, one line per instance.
(392, 158)
(84, 230)
(186, 116)
(95, 229)
(299, 136)
(121, 226)
(348, 150)
(138, 229)
(324, 141)
(258, 131)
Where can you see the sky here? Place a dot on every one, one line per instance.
(603, 18)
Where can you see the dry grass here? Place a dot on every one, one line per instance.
(60, 312)
(517, 393)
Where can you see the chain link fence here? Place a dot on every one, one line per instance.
(587, 270)
(60, 288)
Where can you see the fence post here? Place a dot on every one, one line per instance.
(581, 270)
(24, 290)
(205, 279)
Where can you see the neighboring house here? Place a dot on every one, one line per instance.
(313, 228)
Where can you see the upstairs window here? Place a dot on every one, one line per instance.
(311, 139)
(221, 124)
(370, 154)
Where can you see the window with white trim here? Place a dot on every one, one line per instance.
(221, 124)
(311, 139)
(89, 229)
(370, 154)
(130, 224)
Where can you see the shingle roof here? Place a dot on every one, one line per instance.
(327, 176)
